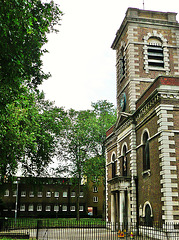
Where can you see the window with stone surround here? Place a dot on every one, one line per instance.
(121, 62)
(146, 152)
(114, 163)
(156, 56)
(39, 207)
(124, 161)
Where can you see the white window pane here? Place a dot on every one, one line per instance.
(48, 208)
(95, 199)
(64, 208)
(56, 208)
(56, 194)
(72, 208)
(15, 193)
(23, 193)
(31, 194)
(39, 208)
(39, 194)
(64, 194)
(73, 194)
(81, 194)
(31, 208)
(22, 207)
(6, 194)
(48, 194)
(81, 208)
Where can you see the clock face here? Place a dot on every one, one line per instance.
(123, 102)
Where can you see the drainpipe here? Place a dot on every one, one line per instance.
(16, 204)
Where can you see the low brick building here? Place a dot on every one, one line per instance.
(49, 197)
(142, 151)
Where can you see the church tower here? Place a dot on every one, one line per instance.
(142, 163)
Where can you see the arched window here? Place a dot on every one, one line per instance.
(113, 165)
(124, 161)
(146, 152)
(122, 63)
(156, 53)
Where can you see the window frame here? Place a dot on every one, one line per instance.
(146, 152)
(31, 194)
(155, 40)
(23, 193)
(22, 207)
(72, 208)
(65, 194)
(39, 207)
(56, 194)
(48, 208)
(64, 208)
(56, 208)
(6, 193)
(48, 194)
(39, 194)
(95, 189)
(30, 207)
(95, 199)
(73, 194)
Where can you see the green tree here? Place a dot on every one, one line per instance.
(29, 134)
(24, 25)
(83, 144)
(28, 123)
(75, 147)
(104, 116)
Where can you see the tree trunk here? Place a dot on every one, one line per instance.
(78, 200)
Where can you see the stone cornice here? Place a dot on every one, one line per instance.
(134, 15)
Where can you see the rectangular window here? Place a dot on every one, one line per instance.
(31, 208)
(81, 208)
(72, 208)
(23, 194)
(39, 208)
(31, 194)
(95, 189)
(73, 194)
(22, 207)
(15, 193)
(48, 208)
(64, 208)
(56, 208)
(56, 194)
(95, 199)
(48, 194)
(39, 194)
(65, 194)
(81, 194)
(6, 194)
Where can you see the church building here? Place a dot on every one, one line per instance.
(142, 148)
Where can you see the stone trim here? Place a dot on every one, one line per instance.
(166, 163)
(133, 169)
(176, 57)
(106, 153)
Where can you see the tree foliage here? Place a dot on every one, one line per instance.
(29, 132)
(83, 144)
(29, 124)
(24, 25)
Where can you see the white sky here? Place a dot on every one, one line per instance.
(81, 60)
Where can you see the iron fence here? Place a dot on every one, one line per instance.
(48, 229)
